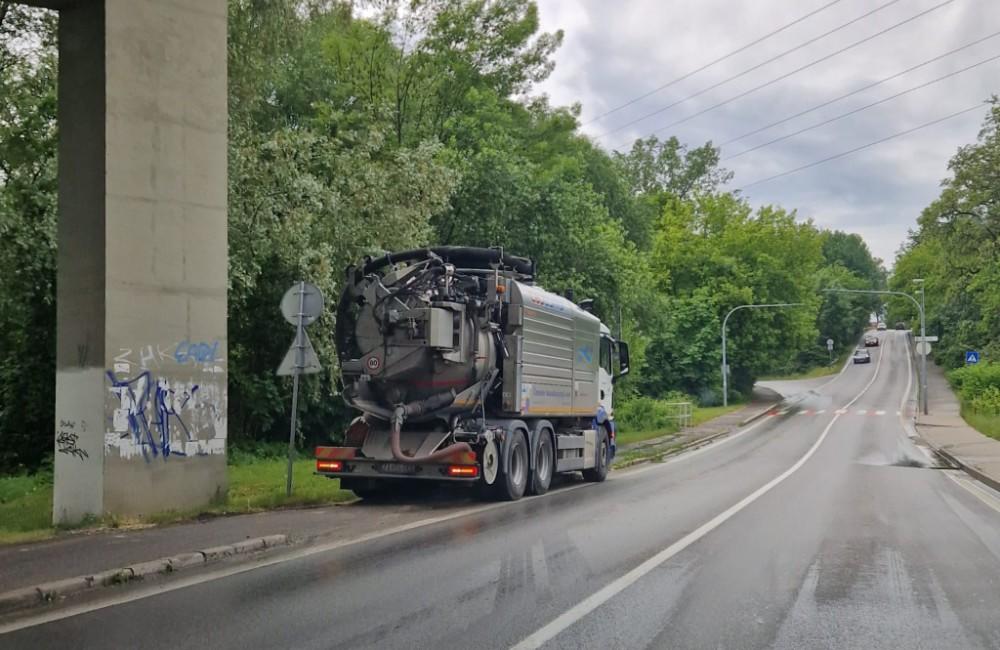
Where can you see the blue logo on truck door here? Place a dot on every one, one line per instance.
(585, 355)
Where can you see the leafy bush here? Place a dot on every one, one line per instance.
(647, 413)
(987, 402)
(973, 382)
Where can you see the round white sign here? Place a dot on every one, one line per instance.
(306, 295)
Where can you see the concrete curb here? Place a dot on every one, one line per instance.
(962, 465)
(27, 597)
(759, 415)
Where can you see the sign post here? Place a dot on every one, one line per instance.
(829, 348)
(301, 305)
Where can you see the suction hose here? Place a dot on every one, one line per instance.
(403, 411)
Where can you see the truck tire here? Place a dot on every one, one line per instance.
(512, 482)
(544, 465)
(599, 472)
(368, 489)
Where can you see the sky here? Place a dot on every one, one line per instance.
(616, 51)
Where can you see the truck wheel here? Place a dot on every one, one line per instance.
(514, 470)
(541, 476)
(599, 472)
(368, 489)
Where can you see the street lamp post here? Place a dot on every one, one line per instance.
(725, 368)
(923, 332)
(923, 357)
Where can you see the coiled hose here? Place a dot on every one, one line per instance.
(404, 411)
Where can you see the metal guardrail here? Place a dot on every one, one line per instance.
(680, 412)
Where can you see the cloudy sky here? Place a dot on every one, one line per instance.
(616, 51)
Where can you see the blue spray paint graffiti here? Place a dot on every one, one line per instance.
(152, 435)
(197, 352)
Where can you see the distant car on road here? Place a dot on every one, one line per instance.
(862, 355)
(871, 341)
(901, 325)
(881, 327)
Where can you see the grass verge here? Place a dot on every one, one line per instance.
(254, 485)
(699, 415)
(988, 425)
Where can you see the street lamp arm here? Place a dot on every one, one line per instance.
(725, 382)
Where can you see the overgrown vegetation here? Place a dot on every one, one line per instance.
(978, 388)
(956, 251)
(358, 127)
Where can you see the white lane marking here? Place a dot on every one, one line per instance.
(989, 497)
(862, 411)
(821, 412)
(183, 583)
(552, 629)
(879, 412)
(841, 411)
(806, 412)
(715, 444)
(154, 590)
(785, 412)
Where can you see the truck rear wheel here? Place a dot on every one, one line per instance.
(544, 465)
(599, 472)
(514, 469)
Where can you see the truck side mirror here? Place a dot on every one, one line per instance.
(622, 361)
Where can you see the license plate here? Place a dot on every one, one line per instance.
(397, 468)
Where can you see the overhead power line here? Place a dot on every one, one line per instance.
(708, 65)
(842, 154)
(752, 68)
(859, 90)
(863, 108)
(791, 73)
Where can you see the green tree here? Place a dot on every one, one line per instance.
(28, 140)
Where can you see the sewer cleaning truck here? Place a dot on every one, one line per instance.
(466, 371)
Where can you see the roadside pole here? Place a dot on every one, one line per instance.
(725, 367)
(301, 305)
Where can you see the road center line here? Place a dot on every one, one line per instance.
(584, 607)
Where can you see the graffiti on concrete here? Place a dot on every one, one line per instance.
(167, 401)
(200, 352)
(67, 439)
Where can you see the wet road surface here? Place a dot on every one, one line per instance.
(818, 526)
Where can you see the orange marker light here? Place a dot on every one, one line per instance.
(464, 471)
(329, 466)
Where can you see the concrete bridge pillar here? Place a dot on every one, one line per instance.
(141, 298)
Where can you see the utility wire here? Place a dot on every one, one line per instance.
(842, 154)
(796, 70)
(711, 63)
(752, 68)
(863, 108)
(859, 90)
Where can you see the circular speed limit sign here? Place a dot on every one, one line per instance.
(373, 364)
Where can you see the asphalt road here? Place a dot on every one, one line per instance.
(817, 527)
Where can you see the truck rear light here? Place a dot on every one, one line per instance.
(463, 471)
(329, 466)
